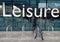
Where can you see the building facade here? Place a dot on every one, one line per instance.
(27, 24)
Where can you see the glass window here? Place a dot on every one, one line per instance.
(53, 3)
(42, 4)
(1, 9)
(33, 3)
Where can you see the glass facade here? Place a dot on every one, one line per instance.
(50, 24)
(26, 24)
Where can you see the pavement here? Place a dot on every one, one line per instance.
(28, 36)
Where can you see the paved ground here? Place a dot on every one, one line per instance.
(49, 36)
(29, 41)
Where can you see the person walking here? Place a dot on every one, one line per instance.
(37, 31)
